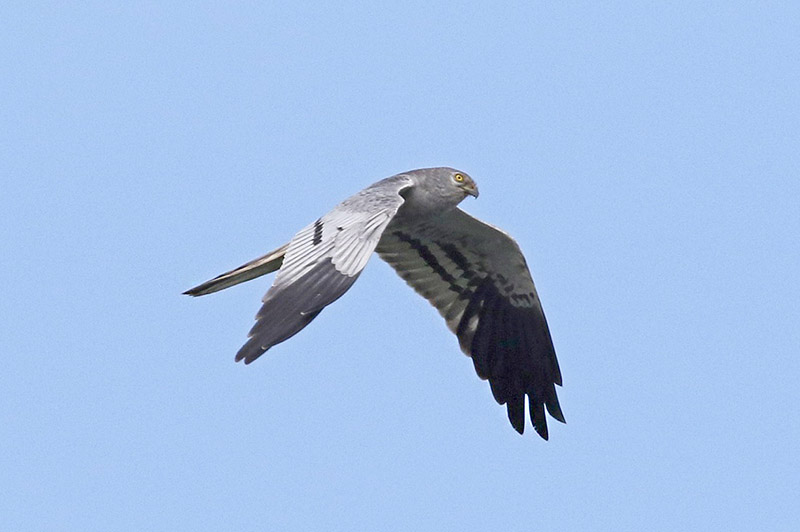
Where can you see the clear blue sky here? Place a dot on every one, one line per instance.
(645, 156)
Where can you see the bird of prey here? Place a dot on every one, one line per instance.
(472, 272)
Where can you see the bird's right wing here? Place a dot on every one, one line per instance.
(476, 276)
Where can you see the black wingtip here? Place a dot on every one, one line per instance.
(516, 413)
(554, 409)
(248, 352)
(538, 418)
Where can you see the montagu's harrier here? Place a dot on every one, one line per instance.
(472, 272)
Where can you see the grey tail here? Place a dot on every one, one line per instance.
(255, 268)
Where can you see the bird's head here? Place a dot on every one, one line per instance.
(447, 182)
(436, 191)
(464, 182)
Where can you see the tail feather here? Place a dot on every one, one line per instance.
(255, 268)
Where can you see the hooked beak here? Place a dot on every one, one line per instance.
(471, 189)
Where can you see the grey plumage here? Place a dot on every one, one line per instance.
(473, 273)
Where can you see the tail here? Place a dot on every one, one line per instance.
(255, 268)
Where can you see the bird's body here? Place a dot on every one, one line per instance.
(473, 273)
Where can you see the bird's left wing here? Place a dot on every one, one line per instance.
(321, 262)
(477, 277)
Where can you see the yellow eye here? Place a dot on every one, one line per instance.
(459, 178)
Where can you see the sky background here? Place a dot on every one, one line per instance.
(646, 156)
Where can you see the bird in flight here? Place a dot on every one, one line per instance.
(472, 272)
